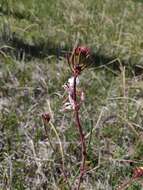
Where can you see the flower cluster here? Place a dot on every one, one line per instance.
(79, 59)
(77, 62)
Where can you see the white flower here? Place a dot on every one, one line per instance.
(69, 88)
(71, 81)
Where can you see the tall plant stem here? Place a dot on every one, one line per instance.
(81, 134)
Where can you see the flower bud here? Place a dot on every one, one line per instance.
(83, 50)
(46, 117)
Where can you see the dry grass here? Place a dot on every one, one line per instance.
(112, 111)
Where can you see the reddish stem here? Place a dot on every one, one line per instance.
(82, 138)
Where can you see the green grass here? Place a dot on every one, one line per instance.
(114, 28)
(113, 105)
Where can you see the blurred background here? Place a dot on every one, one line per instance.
(35, 36)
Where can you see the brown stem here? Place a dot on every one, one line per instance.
(82, 138)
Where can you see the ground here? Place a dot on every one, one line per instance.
(35, 36)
